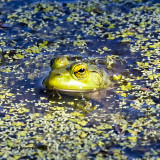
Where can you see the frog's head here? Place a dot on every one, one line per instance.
(75, 76)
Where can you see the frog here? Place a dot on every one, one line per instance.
(76, 76)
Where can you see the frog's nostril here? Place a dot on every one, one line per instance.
(54, 75)
(59, 75)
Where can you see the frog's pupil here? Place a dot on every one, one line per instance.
(81, 70)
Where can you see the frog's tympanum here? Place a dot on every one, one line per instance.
(75, 76)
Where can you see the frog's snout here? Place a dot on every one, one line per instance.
(48, 81)
(58, 75)
(54, 76)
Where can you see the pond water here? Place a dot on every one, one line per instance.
(118, 123)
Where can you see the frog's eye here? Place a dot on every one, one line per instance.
(80, 71)
(59, 61)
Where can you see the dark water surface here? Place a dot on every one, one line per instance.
(118, 123)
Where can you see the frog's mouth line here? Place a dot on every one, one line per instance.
(77, 91)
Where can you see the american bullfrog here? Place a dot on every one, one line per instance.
(76, 76)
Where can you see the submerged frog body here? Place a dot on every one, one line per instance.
(75, 76)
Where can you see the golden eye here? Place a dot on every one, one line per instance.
(79, 70)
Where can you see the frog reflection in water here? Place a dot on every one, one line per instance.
(75, 76)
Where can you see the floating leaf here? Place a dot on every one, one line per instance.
(21, 133)
(18, 124)
(83, 134)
